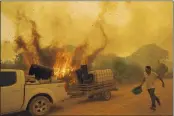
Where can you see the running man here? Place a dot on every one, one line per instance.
(149, 78)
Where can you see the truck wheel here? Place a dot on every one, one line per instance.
(39, 106)
(106, 95)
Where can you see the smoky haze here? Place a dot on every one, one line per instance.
(128, 25)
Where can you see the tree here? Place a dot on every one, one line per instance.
(128, 72)
(149, 54)
(162, 69)
(120, 66)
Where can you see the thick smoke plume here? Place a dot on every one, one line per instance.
(78, 55)
(54, 56)
(99, 23)
(46, 56)
(27, 55)
(21, 44)
(93, 56)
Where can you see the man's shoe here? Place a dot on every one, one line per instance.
(159, 103)
(153, 108)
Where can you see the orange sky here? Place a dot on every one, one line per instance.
(128, 25)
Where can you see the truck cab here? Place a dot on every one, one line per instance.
(16, 94)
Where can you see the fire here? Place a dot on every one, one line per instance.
(66, 63)
(62, 65)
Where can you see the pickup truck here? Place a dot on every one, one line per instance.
(17, 94)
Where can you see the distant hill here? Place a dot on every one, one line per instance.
(148, 55)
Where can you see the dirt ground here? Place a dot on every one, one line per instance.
(123, 102)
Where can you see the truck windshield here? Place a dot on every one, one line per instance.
(7, 78)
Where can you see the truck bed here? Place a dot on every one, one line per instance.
(30, 80)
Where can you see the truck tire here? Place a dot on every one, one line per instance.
(106, 95)
(39, 106)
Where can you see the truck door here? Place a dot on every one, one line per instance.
(12, 92)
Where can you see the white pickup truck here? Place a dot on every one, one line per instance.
(16, 94)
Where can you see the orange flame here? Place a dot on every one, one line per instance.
(62, 65)
(66, 63)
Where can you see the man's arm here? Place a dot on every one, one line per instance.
(143, 81)
(163, 85)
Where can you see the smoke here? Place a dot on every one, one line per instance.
(36, 43)
(20, 44)
(78, 55)
(93, 56)
(52, 55)
(26, 54)
(100, 24)
(140, 23)
(117, 22)
(45, 56)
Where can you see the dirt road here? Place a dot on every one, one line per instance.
(123, 102)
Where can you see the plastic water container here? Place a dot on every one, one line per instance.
(137, 90)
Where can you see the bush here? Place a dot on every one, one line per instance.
(124, 71)
(162, 69)
(127, 71)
